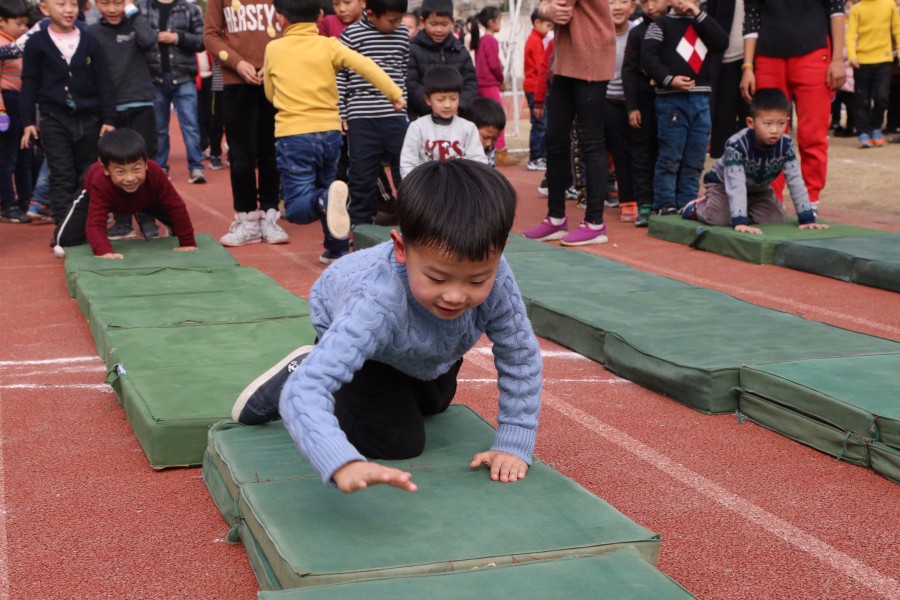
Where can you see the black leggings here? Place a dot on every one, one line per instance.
(382, 410)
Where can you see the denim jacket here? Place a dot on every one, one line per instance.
(186, 21)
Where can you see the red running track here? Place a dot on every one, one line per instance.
(743, 512)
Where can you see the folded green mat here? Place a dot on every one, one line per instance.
(690, 344)
(885, 460)
(97, 286)
(143, 256)
(255, 297)
(300, 533)
(174, 382)
(807, 430)
(620, 575)
(758, 249)
(872, 260)
(856, 394)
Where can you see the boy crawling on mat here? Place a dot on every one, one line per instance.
(393, 324)
(124, 182)
(738, 190)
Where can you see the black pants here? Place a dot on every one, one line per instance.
(618, 138)
(870, 97)
(70, 147)
(143, 120)
(893, 117)
(644, 148)
(249, 119)
(728, 111)
(572, 99)
(15, 163)
(368, 141)
(71, 231)
(382, 410)
(216, 127)
(845, 99)
(204, 110)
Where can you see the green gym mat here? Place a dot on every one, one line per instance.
(298, 532)
(807, 430)
(758, 249)
(94, 286)
(174, 382)
(147, 256)
(872, 260)
(261, 299)
(620, 574)
(885, 460)
(690, 344)
(856, 394)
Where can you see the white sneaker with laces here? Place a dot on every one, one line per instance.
(271, 231)
(336, 216)
(244, 230)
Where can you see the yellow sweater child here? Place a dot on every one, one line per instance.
(872, 23)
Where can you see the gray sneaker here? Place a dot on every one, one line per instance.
(336, 216)
(197, 176)
(245, 230)
(272, 233)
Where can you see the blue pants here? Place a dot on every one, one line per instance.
(368, 142)
(684, 125)
(538, 126)
(307, 164)
(184, 97)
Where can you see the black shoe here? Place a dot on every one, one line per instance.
(258, 403)
(13, 214)
(669, 209)
(120, 231)
(215, 163)
(328, 257)
(643, 218)
(148, 226)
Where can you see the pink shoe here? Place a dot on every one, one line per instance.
(547, 231)
(583, 235)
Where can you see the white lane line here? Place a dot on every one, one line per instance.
(564, 354)
(50, 361)
(836, 559)
(98, 369)
(60, 386)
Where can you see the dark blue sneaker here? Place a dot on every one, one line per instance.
(258, 403)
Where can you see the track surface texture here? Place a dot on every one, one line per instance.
(743, 512)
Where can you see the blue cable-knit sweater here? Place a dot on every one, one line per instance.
(362, 309)
(748, 167)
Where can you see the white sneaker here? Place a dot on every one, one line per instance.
(245, 230)
(272, 233)
(197, 176)
(336, 216)
(537, 165)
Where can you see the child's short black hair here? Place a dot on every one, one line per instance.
(460, 207)
(486, 112)
(769, 99)
(298, 11)
(13, 9)
(442, 78)
(380, 7)
(438, 8)
(536, 16)
(122, 146)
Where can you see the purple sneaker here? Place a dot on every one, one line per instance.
(547, 231)
(583, 235)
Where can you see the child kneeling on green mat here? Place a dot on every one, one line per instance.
(393, 324)
(738, 186)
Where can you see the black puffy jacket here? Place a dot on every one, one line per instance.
(424, 53)
(185, 20)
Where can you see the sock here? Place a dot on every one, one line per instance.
(557, 221)
(594, 226)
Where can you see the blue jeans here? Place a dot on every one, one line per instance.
(538, 126)
(683, 131)
(184, 97)
(41, 191)
(307, 164)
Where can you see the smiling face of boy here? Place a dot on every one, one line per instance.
(112, 11)
(438, 28)
(445, 285)
(127, 177)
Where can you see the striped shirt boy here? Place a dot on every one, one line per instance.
(390, 51)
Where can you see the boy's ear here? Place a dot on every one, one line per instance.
(43, 9)
(750, 122)
(399, 247)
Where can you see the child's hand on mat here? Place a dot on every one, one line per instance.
(184, 248)
(504, 467)
(748, 229)
(112, 255)
(359, 475)
(814, 226)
